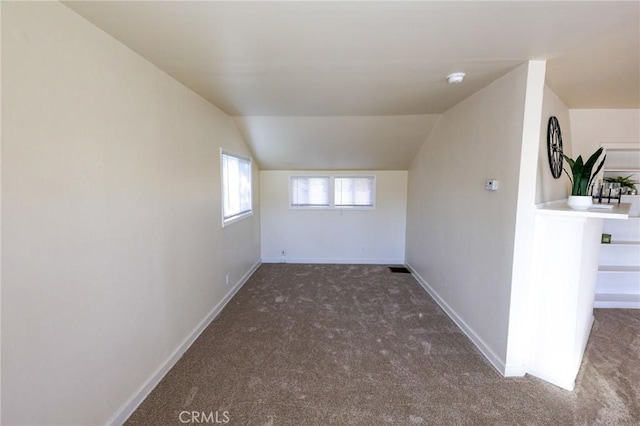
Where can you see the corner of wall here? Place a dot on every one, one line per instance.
(121, 416)
(547, 187)
(523, 247)
(496, 360)
(441, 236)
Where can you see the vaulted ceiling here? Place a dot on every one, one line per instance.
(358, 85)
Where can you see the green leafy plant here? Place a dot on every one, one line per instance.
(581, 176)
(625, 182)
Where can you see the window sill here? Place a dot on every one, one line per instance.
(234, 219)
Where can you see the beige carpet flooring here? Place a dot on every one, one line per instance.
(359, 345)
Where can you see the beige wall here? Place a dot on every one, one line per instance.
(460, 237)
(591, 127)
(351, 142)
(334, 236)
(548, 188)
(113, 250)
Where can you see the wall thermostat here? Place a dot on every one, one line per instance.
(491, 185)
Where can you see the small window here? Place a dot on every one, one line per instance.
(236, 187)
(309, 191)
(332, 192)
(356, 191)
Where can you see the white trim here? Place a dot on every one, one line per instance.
(1, 205)
(332, 209)
(237, 218)
(130, 406)
(620, 304)
(515, 356)
(331, 191)
(374, 189)
(242, 215)
(491, 356)
(564, 384)
(233, 154)
(620, 146)
(515, 370)
(342, 261)
(327, 206)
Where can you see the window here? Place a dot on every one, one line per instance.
(236, 187)
(354, 191)
(309, 191)
(332, 192)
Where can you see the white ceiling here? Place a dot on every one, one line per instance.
(324, 72)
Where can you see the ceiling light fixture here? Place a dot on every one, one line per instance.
(455, 78)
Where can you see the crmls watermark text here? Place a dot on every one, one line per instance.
(200, 417)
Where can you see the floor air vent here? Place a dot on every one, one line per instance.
(399, 269)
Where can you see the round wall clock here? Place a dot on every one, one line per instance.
(554, 147)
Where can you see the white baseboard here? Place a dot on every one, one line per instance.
(343, 261)
(494, 359)
(514, 371)
(610, 300)
(123, 413)
(616, 305)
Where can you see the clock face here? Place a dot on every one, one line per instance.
(554, 147)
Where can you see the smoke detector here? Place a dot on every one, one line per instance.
(455, 78)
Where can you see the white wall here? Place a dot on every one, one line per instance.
(548, 188)
(113, 250)
(591, 127)
(460, 237)
(520, 329)
(334, 236)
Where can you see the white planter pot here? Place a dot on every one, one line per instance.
(580, 202)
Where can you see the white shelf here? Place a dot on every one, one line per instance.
(617, 301)
(620, 169)
(619, 211)
(621, 146)
(618, 283)
(617, 297)
(622, 243)
(618, 269)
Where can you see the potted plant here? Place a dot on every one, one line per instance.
(625, 183)
(581, 178)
